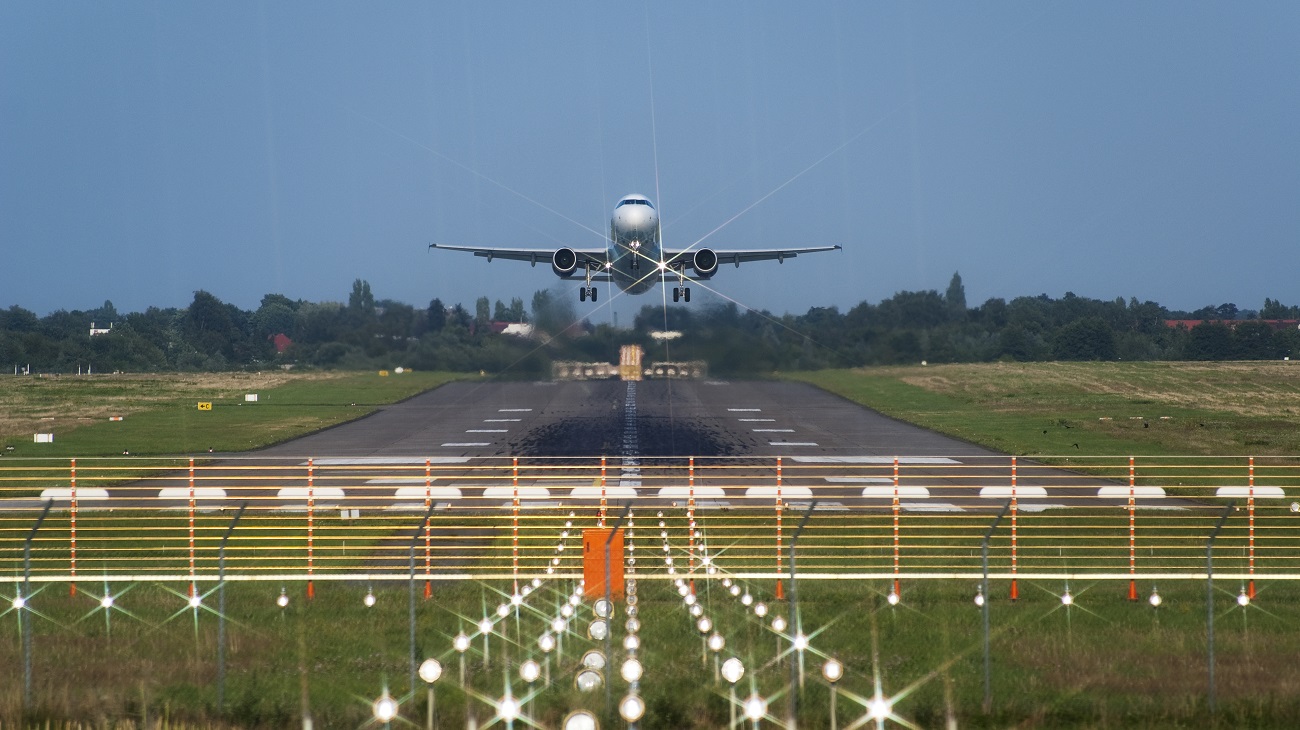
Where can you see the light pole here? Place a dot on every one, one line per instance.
(430, 671)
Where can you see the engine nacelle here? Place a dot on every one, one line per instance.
(705, 263)
(564, 262)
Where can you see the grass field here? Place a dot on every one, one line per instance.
(1097, 409)
(160, 413)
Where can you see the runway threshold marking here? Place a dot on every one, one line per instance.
(502, 420)
(487, 430)
(773, 430)
(792, 443)
(467, 443)
(757, 420)
(514, 410)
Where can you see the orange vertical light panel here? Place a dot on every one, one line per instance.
(593, 564)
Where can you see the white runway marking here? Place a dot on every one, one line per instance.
(387, 460)
(514, 410)
(908, 492)
(64, 494)
(1244, 492)
(1117, 492)
(684, 493)
(432, 493)
(502, 420)
(744, 410)
(873, 460)
(792, 443)
(756, 420)
(204, 493)
(317, 494)
(1022, 492)
(929, 507)
(773, 430)
(787, 492)
(488, 430)
(467, 443)
(611, 492)
(859, 480)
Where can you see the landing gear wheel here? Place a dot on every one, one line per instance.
(686, 293)
(677, 294)
(592, 292)
(582, 294)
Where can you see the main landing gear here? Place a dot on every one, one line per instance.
(588, 291)
(681, 291)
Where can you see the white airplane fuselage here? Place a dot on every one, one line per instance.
(634, 250)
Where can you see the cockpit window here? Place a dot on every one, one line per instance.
(634, 201)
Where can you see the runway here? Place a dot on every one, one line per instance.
(722, 444)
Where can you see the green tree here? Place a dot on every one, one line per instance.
(955, 297)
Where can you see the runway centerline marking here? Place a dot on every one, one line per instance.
(792, 443)
(757, 420)
(773, 430)
(502, 420)
(744, 410)
(488, 430)
(467, 443)
(514, 410)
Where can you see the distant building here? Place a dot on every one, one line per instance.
(518, 329)
(1277, 324)
(100, 330)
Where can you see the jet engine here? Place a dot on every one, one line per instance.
(564, 262)
(705, 263)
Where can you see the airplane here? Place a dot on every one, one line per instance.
(634, 256)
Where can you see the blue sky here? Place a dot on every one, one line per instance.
(1110, 149)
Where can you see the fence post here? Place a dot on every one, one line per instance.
(897, 586)
(72, 516)
(1132, 531)
(311, 514)
(1209, 594)
(1015, 589)
(690, 521)
(1250, 513)
(780, 593)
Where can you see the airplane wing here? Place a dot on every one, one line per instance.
(593, 256)
(739, 256)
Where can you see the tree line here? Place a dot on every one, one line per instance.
(365, 332)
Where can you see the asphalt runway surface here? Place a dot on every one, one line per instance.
(456, 448)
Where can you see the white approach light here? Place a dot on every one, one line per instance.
(575, 599)
(282, 601)
(746, 600)
(107, 601)
(682, 589)
(503, 610)
(979, 597)
(778, 624)
(430, 670)
(546, 643)
(508, 708)
(716, 642)
(530, 670)
(597, 630)
(832, 670)
(800, 642)
(559, 625)
(726, 582)
(460, 643)
(385, 708)
(537, 582)
(631, 708)
(369, 600)
(631, 671)
(581, 720)
(631, 642)
(588, 680)
(892, 598)
(602, 608)
(735, 590)
(593, 659)
(690, 598)
(515, 600)
(566, 610)
(760, 609)
(704, 624)
(196, 600)
(880, 709)
(1155, 600)
(755, 708)
(485, 626)
(732, 670)
(1243, 600)
(697, 610)
(1067, 599)
(19, 602)
(632, 625)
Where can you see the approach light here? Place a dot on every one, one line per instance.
(632, 625)
(735, 589)
(503, 610)
(697, 610)
(716, 642)
(581, 720)
(1243, 600)
(597, 630)
(706, 560)
(778, 624)
(559, 625)
(460, 643)
(800, 642)
(631, 671)
(690, 598)
(369, 600)
(726, 582)
(1155, 600)
(530, 670)
(508, 709)
(516, 599)
(602, 608)
(1066, 598)
(892, 598)
(106, 601)
(196, 600)
(430, 670)
(713, 570)
(880, 709)
(760, 609)
(282, 601)
(704, 624)
(546, 643)
(537, 582)
(588, 680)
(733, 669)
(631, 708)
(746, 599)
(593, 659)
(485, 626)
(575, 599)
(385, 708)
(566, 610)
(832, 670)
(755, 708)
(19, 602)
(631, 642)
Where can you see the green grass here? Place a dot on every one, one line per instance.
(1095, 409)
